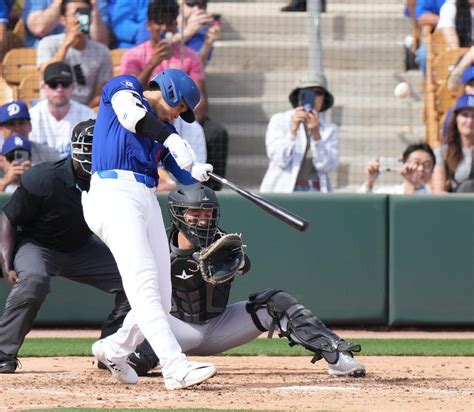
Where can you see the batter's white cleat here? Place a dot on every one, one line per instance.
(347, 366)
(197, 372)
(122, 372)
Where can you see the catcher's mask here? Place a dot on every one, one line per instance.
(200, 232)
(81, 144)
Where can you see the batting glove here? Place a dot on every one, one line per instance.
(180, 150)
(199, 171)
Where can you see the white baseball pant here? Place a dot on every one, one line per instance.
(126, 215)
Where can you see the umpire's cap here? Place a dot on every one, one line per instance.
(175, 85)
(312, 81)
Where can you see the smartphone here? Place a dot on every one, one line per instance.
(21, 156)
(390, 164)
(216, 19)
(84, 18)
(307, 97)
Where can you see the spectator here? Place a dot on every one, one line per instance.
(454, 160)
(54, 117)
(456, 22)
(128, 22)
(427, 14)
(301, 145)
(155, 55)
(5, 8)
(42, 18)
(199, 29)
(418, 162)
(89, 59)
(15, 120)
(463, 73)
(14, 160)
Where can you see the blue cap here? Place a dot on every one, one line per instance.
(175, 85)
(466, 101)
(15, 143)
(14, 110)
(468, 75)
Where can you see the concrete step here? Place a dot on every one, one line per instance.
(249, 139)
(357, 110)
(242, 55)
(376, 83)
(333, 26)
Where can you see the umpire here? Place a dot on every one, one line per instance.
(43, 234)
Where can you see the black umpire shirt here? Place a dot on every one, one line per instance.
(47, 207)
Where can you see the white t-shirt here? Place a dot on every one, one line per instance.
(447, 16)
(53, 133)
(393, 190)
(193, 133)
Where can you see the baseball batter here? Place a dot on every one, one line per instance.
(132, 135)
(203, 322)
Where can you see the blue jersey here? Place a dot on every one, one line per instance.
(115, 147)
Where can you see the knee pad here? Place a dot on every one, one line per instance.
(302, 327)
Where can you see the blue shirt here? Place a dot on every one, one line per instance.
(128, 21)
(5, 8)
(35, 5)
(428, 6)
(115, 147)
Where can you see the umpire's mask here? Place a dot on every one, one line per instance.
(188, 206)
(81, 144)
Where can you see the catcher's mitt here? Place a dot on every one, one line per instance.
(220, 261)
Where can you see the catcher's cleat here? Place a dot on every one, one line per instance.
(197, 372)
(122, 372)
(8, 363)
(347, 366)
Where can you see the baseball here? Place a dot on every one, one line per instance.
(402, 90)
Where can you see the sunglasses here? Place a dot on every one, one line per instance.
(56, 83)
(19, 155)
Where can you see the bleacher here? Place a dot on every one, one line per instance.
(263, 52)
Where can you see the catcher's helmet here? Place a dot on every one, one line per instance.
(81, 144)
(175, 85)
(197, 197)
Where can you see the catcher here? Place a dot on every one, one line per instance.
(204, 263)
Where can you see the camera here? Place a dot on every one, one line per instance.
(84, 18)
(216, 18)
(19, 156)
(307, 97)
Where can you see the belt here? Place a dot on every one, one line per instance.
(148, 181)
(310, 183)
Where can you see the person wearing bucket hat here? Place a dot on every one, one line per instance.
(302, 146)
(133, 135)
(455, 159)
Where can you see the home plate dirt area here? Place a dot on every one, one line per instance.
(258, 383)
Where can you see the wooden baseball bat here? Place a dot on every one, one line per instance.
(275, 210)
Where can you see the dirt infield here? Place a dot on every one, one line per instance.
(260, 383)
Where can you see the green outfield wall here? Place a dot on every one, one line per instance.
(367, 259)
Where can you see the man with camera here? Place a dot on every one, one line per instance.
(302, 146)
(89, 59)
(14, 160)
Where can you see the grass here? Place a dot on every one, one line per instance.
(44, 347)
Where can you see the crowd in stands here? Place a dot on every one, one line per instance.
(73, 40)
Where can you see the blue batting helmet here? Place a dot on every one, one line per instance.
(175, 85)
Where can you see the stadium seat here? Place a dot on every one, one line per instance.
(29, 88)
(444, 63)
(18, 63)
(116, 56)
